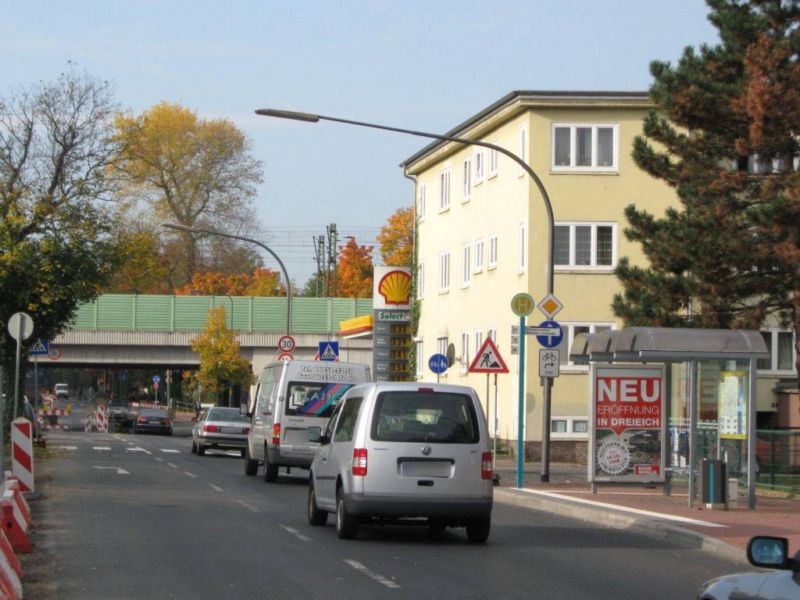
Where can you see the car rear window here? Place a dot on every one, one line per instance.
(422, 416)
(226, 414)
(314, 399)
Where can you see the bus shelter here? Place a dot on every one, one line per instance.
(705, 380)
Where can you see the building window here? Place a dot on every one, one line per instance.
(570, 331)
(477, 259)
(421, 201)
(478, 338)
(444, 190)
(466, 265)
(492, 262)
(420, 370)
(464, 352)
(480, 165)
(467, 174)
(585, 245)
(569, 427)
(780, 344)
(584, 147)
(441, 345)
(421, 280)
(523, 147)
(523, 245)
(493, 162)
(492, 333)
(444, 272)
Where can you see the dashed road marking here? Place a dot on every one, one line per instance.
(170, 451)
(248, 506)
(174, 466)
(192, 475)
(139, 449)
(102, 448)
(297, 534)
(67, 447)
(159, 459)
(372, 575)
(214, 487)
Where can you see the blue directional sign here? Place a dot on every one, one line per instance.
(551, 340)
(438, 363)
(40, 348)
(156, 379)
(329, 351)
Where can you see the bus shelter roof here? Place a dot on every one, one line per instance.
(665, 344)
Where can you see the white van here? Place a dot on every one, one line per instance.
(290, 397)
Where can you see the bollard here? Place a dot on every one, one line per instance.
(22, 453)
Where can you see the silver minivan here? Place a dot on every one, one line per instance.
(291, 396)
(406, 452)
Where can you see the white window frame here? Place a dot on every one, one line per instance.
(571, 266)
(492, 333)
(444, 190)
(494, 161)
(569, 338)
(466, 173)
(523, 247)
(479, 158)
(477, 338)
(477, 257)
(420, 362)
(464, 356)
(444, 272)
(466, 265)
(573, 127)
(441, 345)
(421, 202)
(491, 261)
(773, 348)
(421, 280)
(570, 433)
(523, 147)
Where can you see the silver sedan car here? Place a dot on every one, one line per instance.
(220, 428)
(781, 583)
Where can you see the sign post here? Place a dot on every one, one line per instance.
(522, 305)
(20, 326)
(488, 360)
(40, 348)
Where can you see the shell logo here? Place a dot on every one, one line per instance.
(395, 287)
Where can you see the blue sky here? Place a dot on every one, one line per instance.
(418, 64)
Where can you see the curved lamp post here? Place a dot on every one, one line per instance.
(252, 241)
(547, 381)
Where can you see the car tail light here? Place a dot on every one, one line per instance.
(212, 428)
(359, 462)
(276, 434)
(486, 465)
(425, 389)
(141, 420)
(245, 430)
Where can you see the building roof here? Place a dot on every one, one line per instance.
(532, 98)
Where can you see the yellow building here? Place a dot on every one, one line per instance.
(482, 237)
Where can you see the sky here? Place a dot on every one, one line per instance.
(417, 64)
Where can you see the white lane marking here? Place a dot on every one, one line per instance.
(214, 487)
(173, 465)
(102, 448)
(376, 576)
(117, 469)
(248, 507)
(616, 507)
(170, 451)
(159, 459)
(139, 449)
(297, 534)
(192, 475)
(67, 447)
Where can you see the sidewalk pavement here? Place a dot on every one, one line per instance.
(647, 510)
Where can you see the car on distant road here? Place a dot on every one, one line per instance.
(61, 391)
(152, 420)
(220, 428)
(781, 583)
(119, 413)
(404, 452)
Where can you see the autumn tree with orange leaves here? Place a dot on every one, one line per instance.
(354, 271)
(261, 282)
(396, 238)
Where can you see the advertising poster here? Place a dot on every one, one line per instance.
(628, 424)
(732, 405)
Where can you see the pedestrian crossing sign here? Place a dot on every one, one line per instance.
(40, 347)
(488, 359)
(329, 351)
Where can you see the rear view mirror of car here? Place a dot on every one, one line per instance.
(768, 552)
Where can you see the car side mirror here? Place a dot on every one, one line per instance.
(769, 552)
(314, 434)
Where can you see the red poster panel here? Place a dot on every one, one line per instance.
(628, 423)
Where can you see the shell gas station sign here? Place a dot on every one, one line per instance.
(391, 304)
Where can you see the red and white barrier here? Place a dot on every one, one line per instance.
(88, 421)
(12, 483)
(22, 453)
(14, 523)
(102, 419)
(54, 412)
(10, 570)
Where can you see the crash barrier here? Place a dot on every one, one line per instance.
(48, 418)
(22, 453)
(15, 520)
(10, 570)
(12, 483)
(14, 523)
(102, 418)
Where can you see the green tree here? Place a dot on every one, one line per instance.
(193, 171)
(724, 136)
(56, 251)
(221, 365)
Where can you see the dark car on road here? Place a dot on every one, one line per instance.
(152, 420)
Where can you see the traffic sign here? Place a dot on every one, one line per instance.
(329, 351)
(156, 379)
(522, 304)
(438, 363)
(488, 359)
(549, 363)
(20, 326)
(156, 384)
(550, 306)
(286, 344)
(285, 356)
(551, 334)
(40, 347)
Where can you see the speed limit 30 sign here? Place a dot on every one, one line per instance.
(286, 344)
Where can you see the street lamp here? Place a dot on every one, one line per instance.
(547, 381)
(252, 241)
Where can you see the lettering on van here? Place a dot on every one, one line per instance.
(327, 373)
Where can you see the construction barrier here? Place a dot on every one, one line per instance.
(10, 570)
(22, 453)
(48, 418)
(12, 483)
(14, 523)
(102, 418)
(88, 421)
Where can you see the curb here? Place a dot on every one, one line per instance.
(619, 519)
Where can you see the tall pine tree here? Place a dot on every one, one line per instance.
(724, 135)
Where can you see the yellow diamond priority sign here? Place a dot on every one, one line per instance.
(550, 306)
